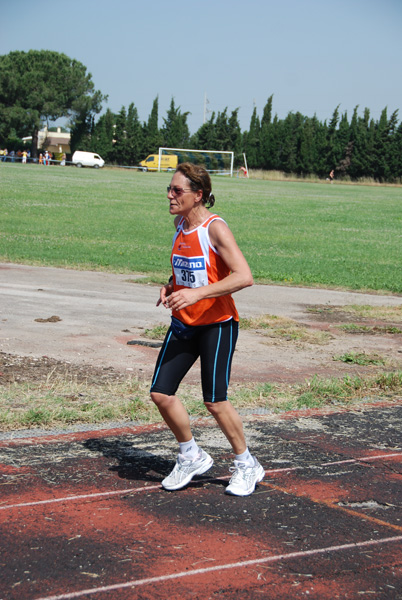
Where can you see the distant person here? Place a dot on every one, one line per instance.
(24, 157)
(204, 325)
(41, 158)
(63, 160)
(331, 176)
(46, 158)
(12, 155)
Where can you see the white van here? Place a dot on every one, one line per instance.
(87, 159)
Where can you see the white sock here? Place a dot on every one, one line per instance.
(246, 458)
(189, 449)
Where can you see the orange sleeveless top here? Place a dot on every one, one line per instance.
(195, 263)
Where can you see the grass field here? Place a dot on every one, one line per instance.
(297, 233)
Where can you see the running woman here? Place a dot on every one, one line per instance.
(207, 267)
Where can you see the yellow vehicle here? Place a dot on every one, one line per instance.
(151, 163)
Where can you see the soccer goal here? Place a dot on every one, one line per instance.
(215, 161)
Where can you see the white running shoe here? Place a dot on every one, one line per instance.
(244, 478)
(185, 470)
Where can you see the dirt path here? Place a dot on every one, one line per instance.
(49, 317)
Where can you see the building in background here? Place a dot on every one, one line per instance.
(56, 142)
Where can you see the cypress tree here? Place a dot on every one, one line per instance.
(134, 136)
(234, 132)
(102, 136)
(395, 154)
(358, 135)
(205, 137)
(267, 112)
(80, 138)
(342, 148)
(120, 138)
(175, 132)
(266, 137)
(222, 134)
(252, 142)
(152, 137)
(332, 156)
(306, 152)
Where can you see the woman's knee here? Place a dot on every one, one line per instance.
(215, 408)
(162, 400)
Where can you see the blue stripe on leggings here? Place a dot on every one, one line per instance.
(216, 360)
(161, 360)
(230, 354)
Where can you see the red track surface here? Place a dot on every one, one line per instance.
(84, 516)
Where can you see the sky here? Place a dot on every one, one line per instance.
(311, 55)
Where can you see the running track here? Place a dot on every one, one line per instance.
(83, 515)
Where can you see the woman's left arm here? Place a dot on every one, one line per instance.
(240, 274)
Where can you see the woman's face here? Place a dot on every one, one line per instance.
(181, 197)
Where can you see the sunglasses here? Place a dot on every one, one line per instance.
(177, 191)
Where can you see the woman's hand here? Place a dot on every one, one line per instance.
(164, 293)
(183, 298)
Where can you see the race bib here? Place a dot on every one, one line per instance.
(190, 272)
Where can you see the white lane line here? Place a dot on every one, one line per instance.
(158, 487)
(81, 497)
(237, 565)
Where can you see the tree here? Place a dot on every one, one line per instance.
(343, 148)
(331, 151)
(205, 137)
(120, 138)
(251, 141)
(222, 133)
(175, 131)
(80, 133)
(39, 86)
(102, 136)
(134, 136)
(267, 113)
(152, 135)
(361, 136)
(234, 132)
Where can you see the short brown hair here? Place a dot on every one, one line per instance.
(199, 179)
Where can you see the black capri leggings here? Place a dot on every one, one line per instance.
(214, 344)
